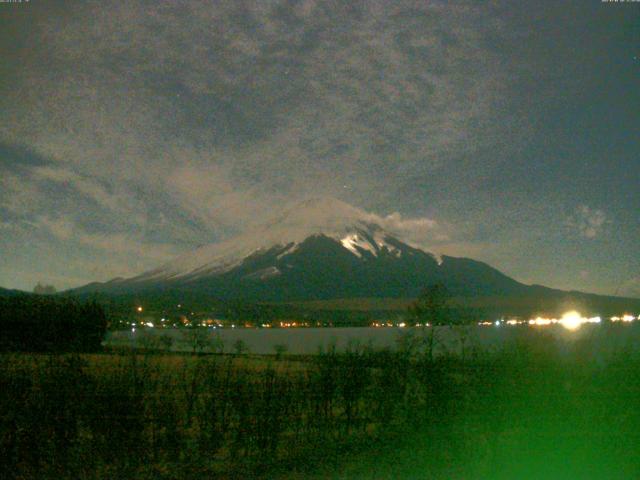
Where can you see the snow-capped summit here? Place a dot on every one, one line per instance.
(351, 226)
(319, 248)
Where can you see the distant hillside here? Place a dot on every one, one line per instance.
(490, 306)
(4, 292)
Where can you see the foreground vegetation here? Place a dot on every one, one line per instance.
(45, 323)
(531, 410)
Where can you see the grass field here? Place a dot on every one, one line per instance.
(522, 412)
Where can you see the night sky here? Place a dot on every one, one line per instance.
(508, 132)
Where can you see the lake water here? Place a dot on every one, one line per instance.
(605, 338)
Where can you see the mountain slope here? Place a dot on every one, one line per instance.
(332, 218)
(320, 249)
(4, 292)
(323, 250)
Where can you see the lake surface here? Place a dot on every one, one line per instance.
(602, 340)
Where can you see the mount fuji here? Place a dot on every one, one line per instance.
(320, 249)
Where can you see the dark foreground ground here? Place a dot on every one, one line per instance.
(525, 411)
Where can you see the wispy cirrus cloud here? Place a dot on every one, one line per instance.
(422, 231)
(66, 230)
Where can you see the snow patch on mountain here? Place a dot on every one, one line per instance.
(354, 243)
(264, 274)
(294, 246)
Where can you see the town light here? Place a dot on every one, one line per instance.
(571, 320)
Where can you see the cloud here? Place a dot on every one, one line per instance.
(303, 98)
(207, 192)
(423, 232)
(17, 195)
(8, 226)
(84, 185)
(587, 222)
(66, 230)
(328, 213)
(60, 228)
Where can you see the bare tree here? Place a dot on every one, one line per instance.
(432, 308)
(280, 349)
(167, 342)
(240, 347)
(198, 339)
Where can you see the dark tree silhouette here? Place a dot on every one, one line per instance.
(239, 347)
(432, 308)
(48, 323)
(41, 289)
(280, 349)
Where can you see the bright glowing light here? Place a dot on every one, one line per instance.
(571, 320)
(139, 309)
(625, 318)
(402, 324)
(541, 321)
(149, 324)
